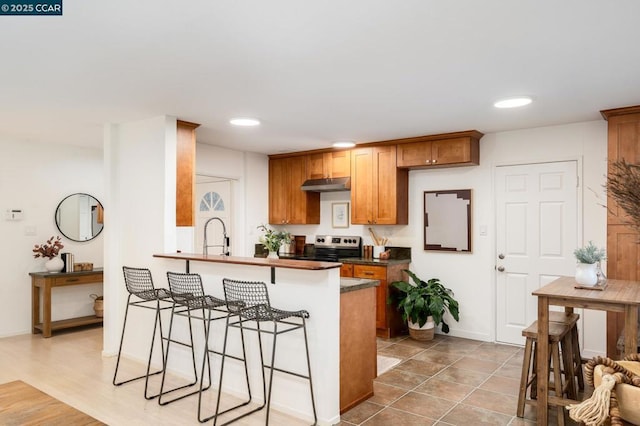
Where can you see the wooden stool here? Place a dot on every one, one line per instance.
(572, 321)
(558, 332)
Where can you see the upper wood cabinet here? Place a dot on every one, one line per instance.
(288, 204)
(379, 190)
(454, 149)
(329, 165)
(185, 172)
(623, 250)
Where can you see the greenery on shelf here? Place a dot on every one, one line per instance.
(420, 299)
(272, 239)
(589, 254)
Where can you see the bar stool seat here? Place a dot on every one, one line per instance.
(143, 294)
(559, 333)
(249, 300)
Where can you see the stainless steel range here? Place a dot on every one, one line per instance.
(332, 248)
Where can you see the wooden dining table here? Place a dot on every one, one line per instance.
(616, 296)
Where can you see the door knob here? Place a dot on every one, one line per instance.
(501, 256)
(500, 268)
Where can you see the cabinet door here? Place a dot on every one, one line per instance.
(315, 166)
(362, 186)
(303, 206)
(415, 154)
(622, 241)
(288, 204)
(451, 151)
(337, 164)
(388, 192)
(376, 273)
(278, 190)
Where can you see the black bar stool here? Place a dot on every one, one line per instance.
(189, 300)
(139, 284)
(250, 302)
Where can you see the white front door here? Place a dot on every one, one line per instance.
(536, 232)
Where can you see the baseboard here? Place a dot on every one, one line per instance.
(465, 334)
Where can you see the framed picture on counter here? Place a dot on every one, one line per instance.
(340, 215)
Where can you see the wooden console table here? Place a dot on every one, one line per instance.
(46, 281)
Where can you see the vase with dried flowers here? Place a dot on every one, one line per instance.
(50, 250)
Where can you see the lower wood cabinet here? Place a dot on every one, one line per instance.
(389, 321)
(358, 349)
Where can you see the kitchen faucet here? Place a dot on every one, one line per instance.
(225, 238)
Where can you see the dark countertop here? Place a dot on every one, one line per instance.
(371, 261)
(66, 274)
(353, 284)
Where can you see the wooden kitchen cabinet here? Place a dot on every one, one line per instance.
(323, 165)
(185, 172)
(623, 250)
(389, 321)
(428, 153)
(288, 204)
(379, 190)
(358, 361)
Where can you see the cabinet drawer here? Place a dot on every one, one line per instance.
(80, 279)
(367, 271)
(346, 270)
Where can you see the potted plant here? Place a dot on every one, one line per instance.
(50, 250)
(272, 240)
(423, 305)
(588, 266)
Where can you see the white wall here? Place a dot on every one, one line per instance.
(472, 276)
(35, 178)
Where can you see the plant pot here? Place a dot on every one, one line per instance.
(273, 254)
(54, 265)
(587, 274)
(424, 333)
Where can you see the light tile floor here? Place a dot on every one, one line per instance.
(448, 381)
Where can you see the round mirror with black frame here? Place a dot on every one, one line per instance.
(79, 217)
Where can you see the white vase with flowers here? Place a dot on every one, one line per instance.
(50, 250)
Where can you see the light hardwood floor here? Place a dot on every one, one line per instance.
(69, 367)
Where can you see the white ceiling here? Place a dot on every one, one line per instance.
(315, 71)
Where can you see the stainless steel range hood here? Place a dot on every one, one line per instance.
(327, 185)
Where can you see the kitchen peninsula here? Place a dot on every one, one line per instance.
(310, 285)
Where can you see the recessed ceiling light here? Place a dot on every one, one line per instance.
(343, 144)
(244, 121)
(513, 102)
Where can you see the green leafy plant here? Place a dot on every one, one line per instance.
(420, 299)
(589, 254)
(272, 239)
